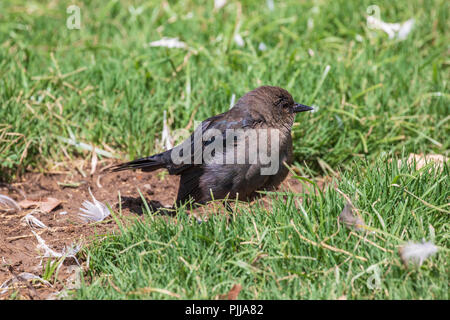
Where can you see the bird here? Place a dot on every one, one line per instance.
(226, 155)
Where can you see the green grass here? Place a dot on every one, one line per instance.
(266, 251)
(381, 98)
(379, 95)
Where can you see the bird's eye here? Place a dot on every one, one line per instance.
(282, 102)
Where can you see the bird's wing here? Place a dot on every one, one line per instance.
(190, 185)
(233, 119)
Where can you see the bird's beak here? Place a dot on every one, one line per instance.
(298, 107)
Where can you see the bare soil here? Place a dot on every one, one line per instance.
(18, 245)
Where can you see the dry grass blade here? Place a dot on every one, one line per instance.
(421, 200)
(166, 139)
(72, 141)
(94, 161)
(158, 290)
(324, 245)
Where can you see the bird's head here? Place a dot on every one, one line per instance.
(275, 104)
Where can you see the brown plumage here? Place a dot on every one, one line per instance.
(267, 107)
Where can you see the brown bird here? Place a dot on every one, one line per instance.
(233, 154)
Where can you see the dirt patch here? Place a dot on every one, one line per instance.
(18, 244)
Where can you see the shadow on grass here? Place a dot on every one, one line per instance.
(137, 206)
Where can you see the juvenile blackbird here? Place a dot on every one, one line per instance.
(256, 132)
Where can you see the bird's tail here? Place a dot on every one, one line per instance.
(147, 164)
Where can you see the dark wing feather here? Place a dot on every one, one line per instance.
(233, 119)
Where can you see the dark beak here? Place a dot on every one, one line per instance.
(301, 108)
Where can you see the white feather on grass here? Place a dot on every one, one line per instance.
(32, 221)
(71, 251)
(84, 146)
(219, 4)
(393, 30)
(405, 29)
(135, 11)
(48, 252)
(168, 43)
(24, 276)
(239, 40)
(262, 46)
(417, 252)
(8, 202)
(94, 211)
(67, 252)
